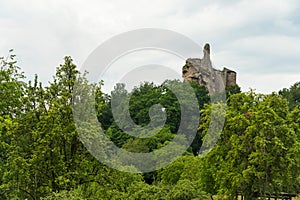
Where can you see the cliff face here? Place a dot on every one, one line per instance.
(202, 72)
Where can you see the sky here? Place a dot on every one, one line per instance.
(259, 39)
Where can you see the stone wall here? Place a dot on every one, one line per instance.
(228, 76)
(202, 72)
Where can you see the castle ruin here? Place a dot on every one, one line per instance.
(202, 72)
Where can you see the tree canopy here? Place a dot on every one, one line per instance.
(42, 156)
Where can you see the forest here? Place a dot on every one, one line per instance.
(42, 156)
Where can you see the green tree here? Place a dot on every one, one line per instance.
(232, 89)
(11, 86)
(292, 95)
(257, 148)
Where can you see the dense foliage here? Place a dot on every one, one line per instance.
(42, 157)
(292, 95)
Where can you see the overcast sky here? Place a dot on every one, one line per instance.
(259, 39)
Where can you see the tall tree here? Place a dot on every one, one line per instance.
(11, 86)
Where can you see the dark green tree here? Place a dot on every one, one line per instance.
(292, 95)
(232, 89)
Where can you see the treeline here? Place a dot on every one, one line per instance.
(42, 157)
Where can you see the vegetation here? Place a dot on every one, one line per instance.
(42, 157)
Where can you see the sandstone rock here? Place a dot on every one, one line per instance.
(202, 72)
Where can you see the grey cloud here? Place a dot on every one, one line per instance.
(43, 32)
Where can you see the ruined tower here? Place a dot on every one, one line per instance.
(202, 72)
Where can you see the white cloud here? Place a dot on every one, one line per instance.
(261, 82)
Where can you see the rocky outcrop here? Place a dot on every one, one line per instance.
(202, 72)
